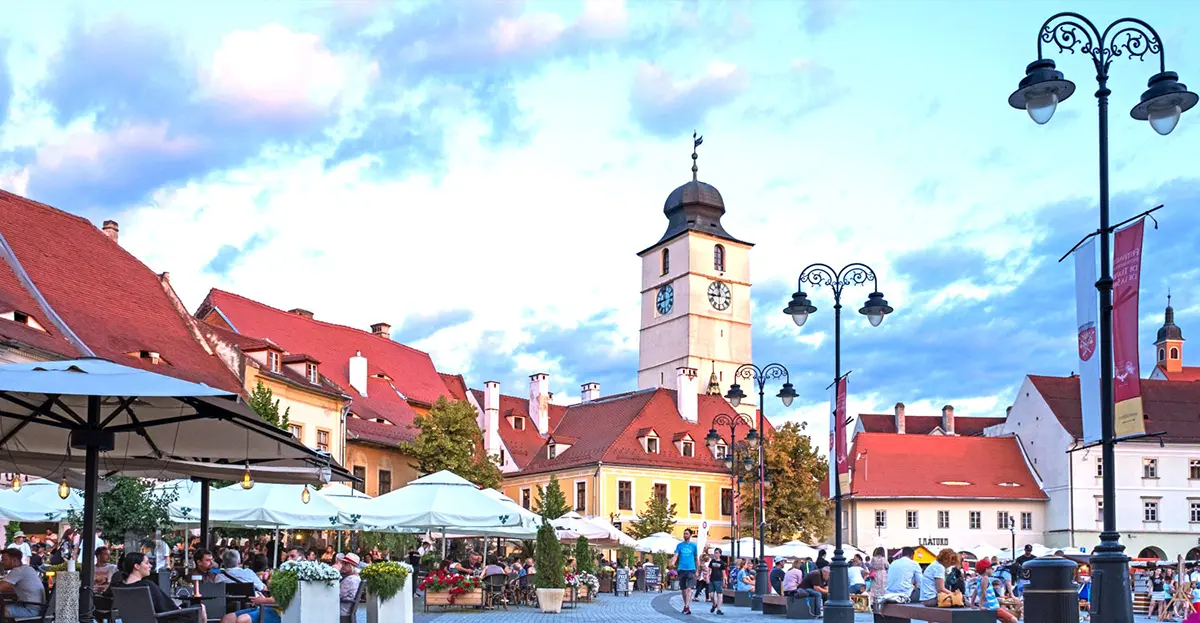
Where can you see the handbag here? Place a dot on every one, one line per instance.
(950, 600)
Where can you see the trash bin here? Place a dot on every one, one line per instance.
(1051, 596)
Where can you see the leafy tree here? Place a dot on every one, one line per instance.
(263, 403)
(448, 437)
(131, 507)
(551, 502)
(795, 507)
(626, 555)
(659, 516)
(549, 558)
(10, 529)
(585, 556)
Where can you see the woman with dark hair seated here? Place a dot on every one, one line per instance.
(135, 569)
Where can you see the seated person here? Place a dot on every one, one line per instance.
(104, 570)
(493, 567)
(232, 570)
(204, 567)
(23, 581)
(815, 586)
(348, 587)
(136, 568)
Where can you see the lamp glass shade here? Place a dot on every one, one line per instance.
(64, 489)
(305, 496)
(1040, 104)
(1164, 119)
(752, 439)
(735, 394)
(800, 318)
(711, 439)
(787, 394)
(747, 464)
(875, 317)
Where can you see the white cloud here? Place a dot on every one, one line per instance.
(90, 154)
(604, 18)
(528, 32)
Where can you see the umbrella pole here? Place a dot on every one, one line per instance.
(443, 543)
(204, 492)
(91, 489)
(275, 563)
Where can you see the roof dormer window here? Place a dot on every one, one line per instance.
(149, 356)
(685, 444)
(551, 450)
(649, 439)
(721, 451)
(20, 317)
(273, 361)
(311, 372)
(518, 422)
(688, 449)
(652, 445)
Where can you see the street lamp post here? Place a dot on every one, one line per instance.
(839, 609)
(1161, 104)
(735, 395)
(1012, 530)
(735, 474)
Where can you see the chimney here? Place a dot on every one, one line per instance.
(686, 389)
(491, 417)
(304, 313)
(1007, 411)
(591, 391)
(382, 329)
(539, 401)
(111, 230)
(948, 419)
(358, 373)
(900, 417)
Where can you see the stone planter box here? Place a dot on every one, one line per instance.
(398, 609)
(550, 599)
(469, 599)
(315, 602)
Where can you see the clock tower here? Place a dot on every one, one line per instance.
(695, 292)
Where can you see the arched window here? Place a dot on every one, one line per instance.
(719, 258)
(1162, 354)
(1174, 353)
(666, 261)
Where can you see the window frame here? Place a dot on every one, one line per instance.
(1003, 519)
(360, 472)
(699, 491)
(726, 493)
(654, 440)
(581, 490)
(1099, 508)
(1149, 468)
(687, 448)
(1026, 521)
(666, 488)
(518, 420)
(328, 439)
(379, 473)
(298, 426)
(1193, 469)
(975, 520)
(943, 515)
(274, 361)
(665, 262)
(1099, 467)
(880, 518)
(628, 505)
(551, 450)
(310, 371)
(1193, 510)
(526, 497)
(719, 258)
(1151, 505)
(912, 519)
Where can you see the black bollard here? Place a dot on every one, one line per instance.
(1051, 596)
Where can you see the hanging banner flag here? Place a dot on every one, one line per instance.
(1127, 272)
(702, 537)
(838, 466)
(1086, 304)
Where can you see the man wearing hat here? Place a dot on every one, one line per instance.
(19, 542)
(350, 564)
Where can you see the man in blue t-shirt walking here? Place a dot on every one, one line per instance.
(684, 561)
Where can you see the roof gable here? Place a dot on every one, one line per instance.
(1171, 407)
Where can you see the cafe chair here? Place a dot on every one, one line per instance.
(136, 606)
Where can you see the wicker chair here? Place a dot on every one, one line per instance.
(493, 590)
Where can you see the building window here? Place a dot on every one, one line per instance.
(1150, 510)
(652, 445)
(687, 448)
(551, 450)
(1099, 467)
(1194, 469)
(525, 496)
(976, 520)
(1026, 521)
(310, 370)
(385, 481)
(360, 473)
(1099, 509)
(727, 502)
(1002, 520)
(624, 495)
(273, 360)
(719, 258)
(1162, 354)
(1174, 353)
(1195, 514)
(666, 261)
(502, 459)
(1149, 468)
(581, 497)
(943, 520)
(911, 519)
(660, 491)
(518, 423)
(880, 519)
(722, 451)
(323, 440)
(297, 431)
(695, 506)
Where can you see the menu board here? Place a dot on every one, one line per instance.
(652, 579)
(621, 583)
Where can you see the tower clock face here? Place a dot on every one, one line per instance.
(665, 300)
(718, 295)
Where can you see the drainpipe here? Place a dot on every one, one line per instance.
(1070, 492)
(596, 484)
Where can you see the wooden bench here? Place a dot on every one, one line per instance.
(791, 607)
(898, 613)
(737, 598)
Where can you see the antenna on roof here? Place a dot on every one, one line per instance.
(696, 142)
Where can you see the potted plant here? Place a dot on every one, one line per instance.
(389, 592)
(446, 588)
(548, 560)
(306, 592)
(606, 579)
(588, 585)
(672, 580)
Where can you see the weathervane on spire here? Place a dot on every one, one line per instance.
(1168, 297)
(696, 142)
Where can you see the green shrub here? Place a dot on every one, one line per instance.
(385, 579)
(549, 558)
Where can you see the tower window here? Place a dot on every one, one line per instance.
(1162, 354)
(1174, 353)
(666, 261)
(719, 258)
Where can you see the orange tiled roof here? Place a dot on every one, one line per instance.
(889, 465)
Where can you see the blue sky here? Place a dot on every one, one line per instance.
(481, 175)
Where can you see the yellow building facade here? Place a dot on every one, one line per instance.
(315, 417)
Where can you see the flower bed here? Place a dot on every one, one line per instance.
(451, 589)
(285, 581)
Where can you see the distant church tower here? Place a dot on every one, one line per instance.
(1168, 347)
(695, 291)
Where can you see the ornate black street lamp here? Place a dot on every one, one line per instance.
(839, 609)
(1163, 102)
(735, 395)
(733, 422)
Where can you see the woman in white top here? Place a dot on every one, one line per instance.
(858, 583)
(933, 580)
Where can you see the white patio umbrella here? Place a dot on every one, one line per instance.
(792, 549)
(270, 505)
(40, 496)
(657, 543)
(445, 502)
(62, 415)
(351, 501)
(984, 550)
(747, 547)
(574, 526)
(848, 551)
(614, 535)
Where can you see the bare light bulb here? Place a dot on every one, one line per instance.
(305, 496)
(64, 489)
(247, 481)
(16, 483)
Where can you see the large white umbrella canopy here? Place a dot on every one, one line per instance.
(657, 543)
(275, 506)
(37, 501)
(614, 535)
(848, 551)
(574, 526)
(747, 547)
(792, 549)
(349, 500)
(444, 502)
(984, 550)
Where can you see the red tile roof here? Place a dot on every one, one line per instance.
(608, 429)
(919, 466)
(300, 358)
(966, 426)
(411, 372)
(455, 384)
(522, 444)
(1188, 373)
(109, 299)
(1172, 407)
